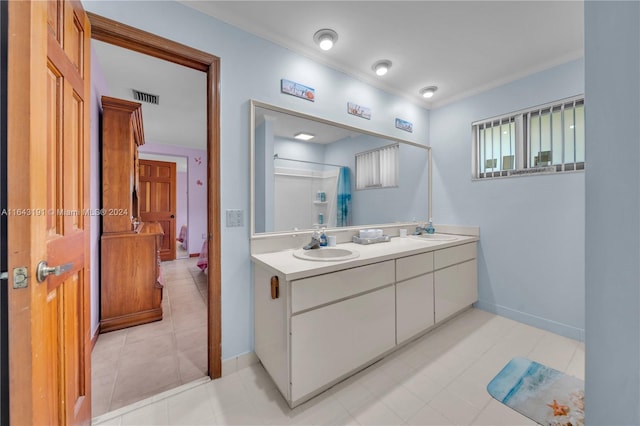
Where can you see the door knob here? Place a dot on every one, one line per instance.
(44, 270)
(172, 216)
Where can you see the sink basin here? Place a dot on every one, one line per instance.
(330, 254)
(436, 237)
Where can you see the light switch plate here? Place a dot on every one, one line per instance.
(235, 218)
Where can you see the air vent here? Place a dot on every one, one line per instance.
(146, 97)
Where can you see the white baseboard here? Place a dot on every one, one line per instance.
(535, 321)
(231, 365)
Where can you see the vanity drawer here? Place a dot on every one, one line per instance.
(412, 266)
(453, 255)
(322, 289)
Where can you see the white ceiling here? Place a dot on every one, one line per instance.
(287, 126)
(463, 47)
(180, 118)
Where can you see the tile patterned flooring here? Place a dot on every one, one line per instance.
(132, 364)
(438, 379)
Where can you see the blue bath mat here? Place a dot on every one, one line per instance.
(545, 395)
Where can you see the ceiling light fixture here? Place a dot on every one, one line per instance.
(428, 92)
(381, 67)
(325, 38)
(304, 136)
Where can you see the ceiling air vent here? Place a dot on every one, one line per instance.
(146, 97)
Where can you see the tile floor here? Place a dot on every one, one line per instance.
(181, 252)
(132, 364)
(439, 379)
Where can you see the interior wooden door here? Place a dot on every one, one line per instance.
(48, 201)
(157, 201)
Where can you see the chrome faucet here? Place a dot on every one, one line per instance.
(420, 230)
(315, 241)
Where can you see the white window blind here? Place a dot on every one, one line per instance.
(377, 168)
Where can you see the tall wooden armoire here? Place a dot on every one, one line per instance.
(130, 287)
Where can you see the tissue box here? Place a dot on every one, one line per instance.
(372, 240)
(370, 233)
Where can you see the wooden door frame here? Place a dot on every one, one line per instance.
(113, 32)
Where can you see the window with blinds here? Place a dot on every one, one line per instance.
(545, 139)
(377, 168)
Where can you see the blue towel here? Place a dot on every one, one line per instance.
(344, 197)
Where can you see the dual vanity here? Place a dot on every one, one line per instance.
(324, 314)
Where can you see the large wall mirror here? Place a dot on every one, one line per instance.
(302, 184)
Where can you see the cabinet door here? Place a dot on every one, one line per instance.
(456, 287)
(413, 266)
(453, 255)
(270, 326)
(319, 290)
(414, 306)
(329, 342)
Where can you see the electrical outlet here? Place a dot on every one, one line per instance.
(235, 218)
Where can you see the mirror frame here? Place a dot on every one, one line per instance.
(252, 106)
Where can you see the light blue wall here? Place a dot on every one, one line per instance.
(252, 68)
(407, 202)
(531, 251)
(612, 52)
(304, 151)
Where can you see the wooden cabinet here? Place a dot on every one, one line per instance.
(131, 288)
(130, 285)
(122, 134)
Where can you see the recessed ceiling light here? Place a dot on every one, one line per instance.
(381, 67)
(428, 92)
(304, 136)
(325, 38)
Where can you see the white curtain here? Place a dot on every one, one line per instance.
(377, 168)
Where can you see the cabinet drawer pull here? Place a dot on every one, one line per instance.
(275, 287)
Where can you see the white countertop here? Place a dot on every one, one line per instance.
(293, 268)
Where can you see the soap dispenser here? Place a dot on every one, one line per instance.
(323, 238)
(430, 228)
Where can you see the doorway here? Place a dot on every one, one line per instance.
(112, 32)
(183, 213)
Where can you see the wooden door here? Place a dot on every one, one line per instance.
(157, 201)
(48, 194)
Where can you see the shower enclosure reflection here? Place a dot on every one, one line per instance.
(301, 185)
(305, 194)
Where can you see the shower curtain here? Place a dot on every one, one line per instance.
(344, 197)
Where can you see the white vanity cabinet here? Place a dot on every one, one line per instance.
(339, 322)
(455, 279)
(323, 327)
(414, 295)
(322, 324)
